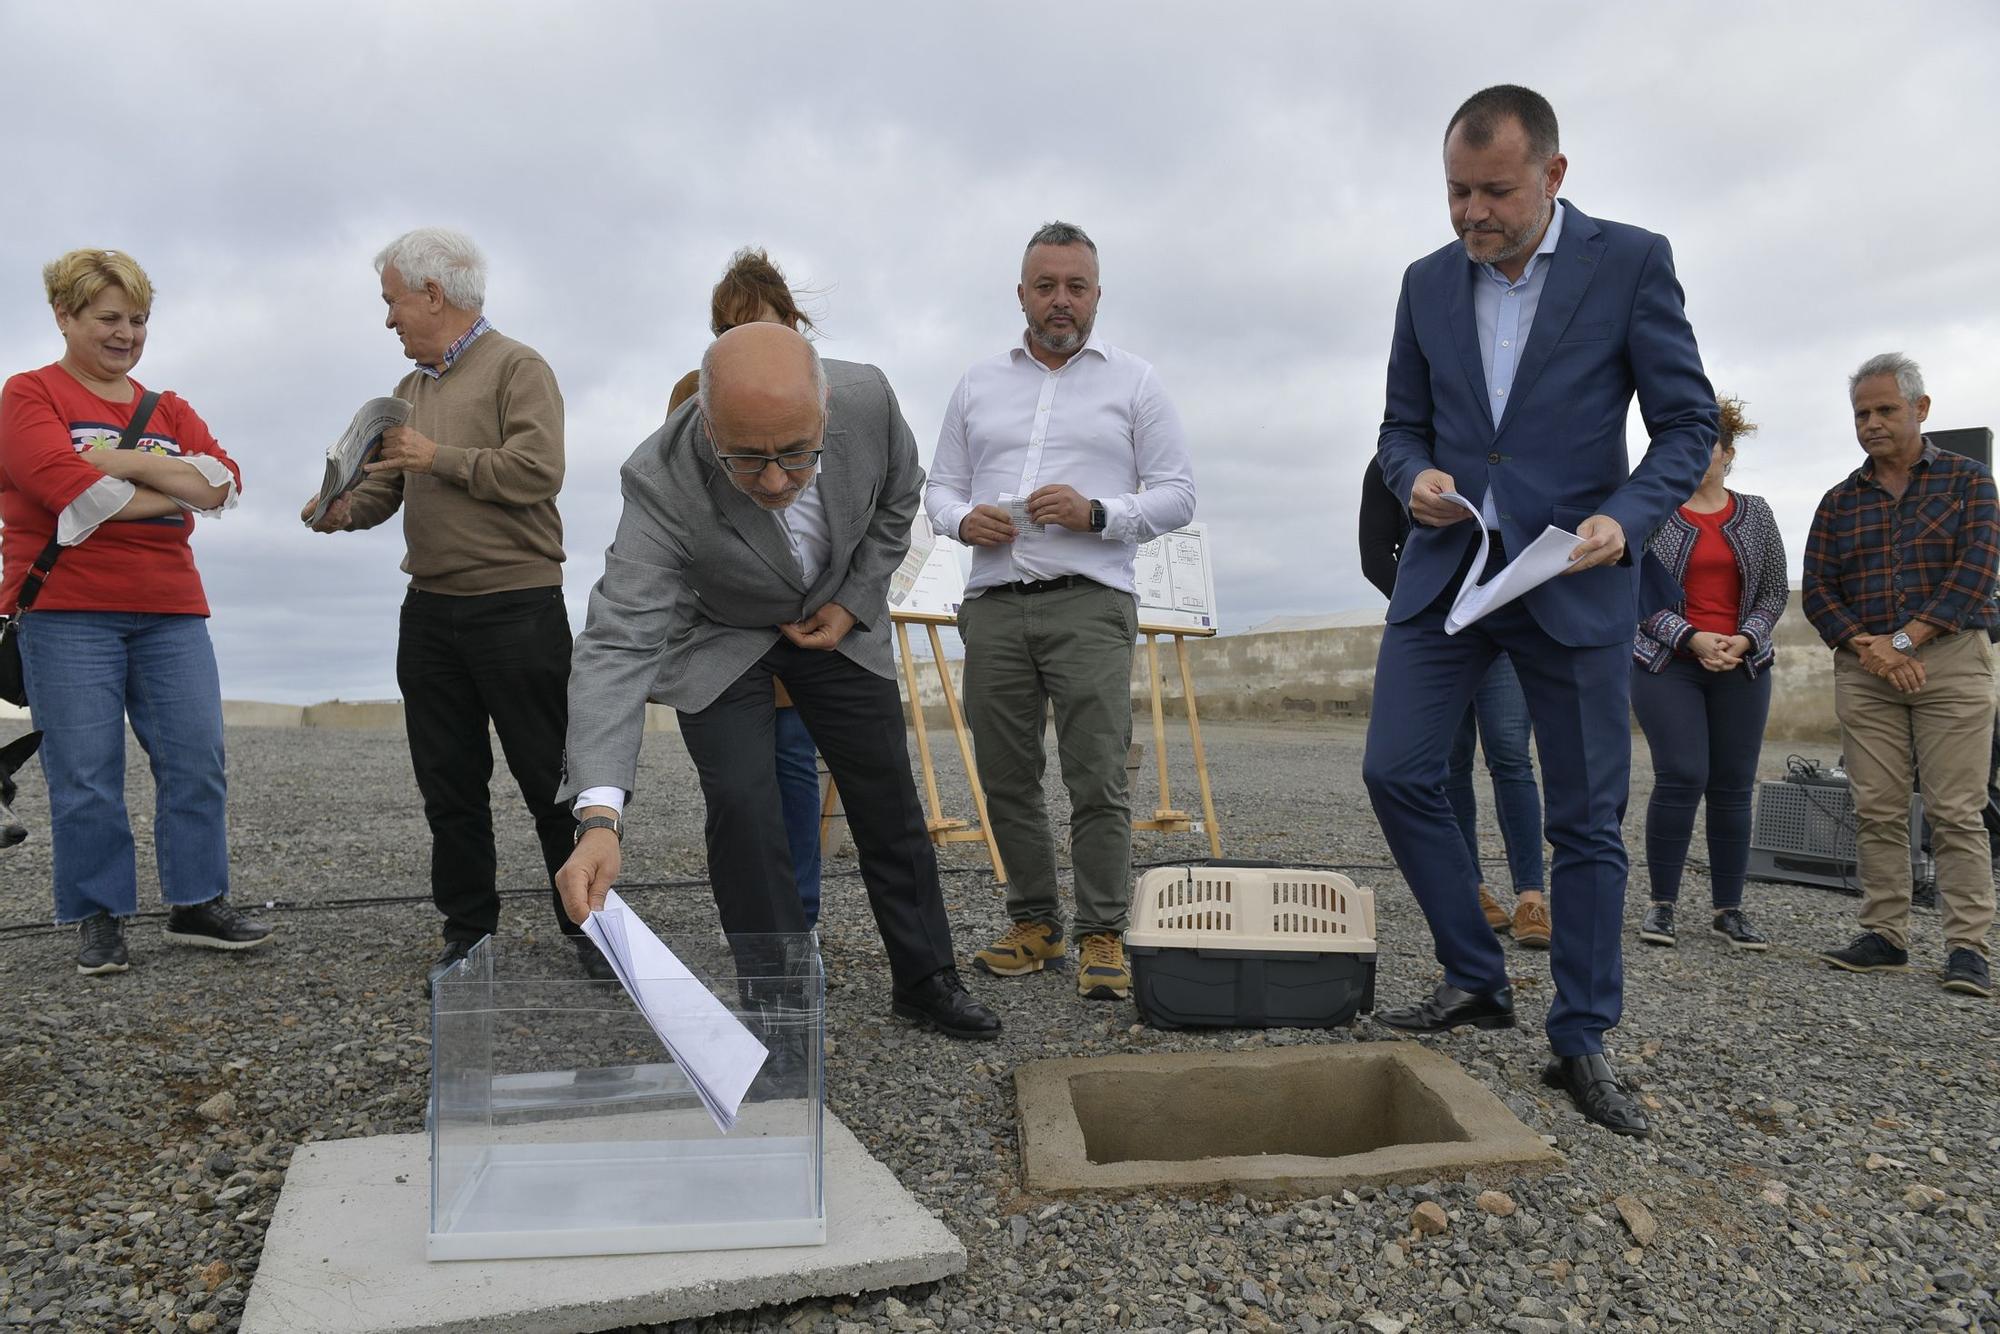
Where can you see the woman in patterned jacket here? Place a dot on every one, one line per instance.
(1701, 687)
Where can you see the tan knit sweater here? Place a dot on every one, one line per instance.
(484, 519)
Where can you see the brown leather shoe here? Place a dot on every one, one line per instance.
(1496, 916)
(1531, 924)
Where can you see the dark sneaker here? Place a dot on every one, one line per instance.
(100, 945)
(591, 959)
(1869, 953)
(214, 926)
(1658, 926)
(1735, 928)
(1966, 971)
(454, 950)
(1024, 948)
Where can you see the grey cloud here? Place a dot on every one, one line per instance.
(1258, 175)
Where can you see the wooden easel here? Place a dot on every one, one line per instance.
(1166, 819)
(941, 827)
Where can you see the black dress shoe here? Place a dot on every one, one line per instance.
(1449, 1008)
(591, 959)
(454, 950)
(1594, 1088)
(941, 1001)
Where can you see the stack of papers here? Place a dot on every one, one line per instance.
(357, 447)
(1546, 557)
(1017, 510)
(710, 1044)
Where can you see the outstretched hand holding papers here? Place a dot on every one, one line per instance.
(712, 1047)
(1546, 557)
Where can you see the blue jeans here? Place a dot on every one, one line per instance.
(798, 794)
(1501, 714)
(1706, 730)
(86, 671)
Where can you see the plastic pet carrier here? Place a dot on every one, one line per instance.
(1227, 944)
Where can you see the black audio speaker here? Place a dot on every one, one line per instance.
(1974, 442)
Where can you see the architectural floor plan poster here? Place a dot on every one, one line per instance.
(931, 579)
(1175, 582)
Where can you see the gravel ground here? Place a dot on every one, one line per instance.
(1824, 1155)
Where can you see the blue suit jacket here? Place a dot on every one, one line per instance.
(1610, 324)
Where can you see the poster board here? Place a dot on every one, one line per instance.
(1176, 583)
(930, 583)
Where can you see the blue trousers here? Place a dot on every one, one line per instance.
(1578, 700)
(1498, 723)
(86, 672)
(798, 794)
(1706, 730)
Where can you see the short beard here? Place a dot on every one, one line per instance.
(1517, 242)
(1059, 343)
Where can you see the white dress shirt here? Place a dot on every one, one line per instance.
(1101, 424)
(803, 523)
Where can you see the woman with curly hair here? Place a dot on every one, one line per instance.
(1701, 687)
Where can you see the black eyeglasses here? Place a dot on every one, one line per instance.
(749, 465)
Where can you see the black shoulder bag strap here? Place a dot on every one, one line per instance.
(31, 587)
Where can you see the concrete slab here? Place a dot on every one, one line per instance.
(1293, 1121)
(345, 1255)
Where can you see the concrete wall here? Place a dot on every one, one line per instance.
(1304, 674)
(1298, 674)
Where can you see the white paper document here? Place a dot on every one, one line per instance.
(1017, 510)
(710, 1044)
(356, 448)
(1546, 557)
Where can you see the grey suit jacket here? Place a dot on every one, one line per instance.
(698, 577)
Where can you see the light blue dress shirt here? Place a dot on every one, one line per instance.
(1504, 311)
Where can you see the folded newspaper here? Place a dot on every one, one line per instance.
(357, 447)
(1546, 557)
(714, 1050)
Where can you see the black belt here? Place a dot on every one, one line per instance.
(1048, 585)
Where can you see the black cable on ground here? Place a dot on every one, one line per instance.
(625, 888)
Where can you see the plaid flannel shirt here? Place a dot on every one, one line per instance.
(1876, 562)
(456, 350)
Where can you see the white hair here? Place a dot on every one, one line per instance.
(818, 372)
(443, 256)
(1909, 379)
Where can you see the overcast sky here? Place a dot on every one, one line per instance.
(1256, 176)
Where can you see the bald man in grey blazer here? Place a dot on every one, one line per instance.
(762, 522)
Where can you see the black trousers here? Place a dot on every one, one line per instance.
(856, 717)
(463, 662)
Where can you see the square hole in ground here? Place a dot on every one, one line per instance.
(1310, 1109)
(1309, 1119)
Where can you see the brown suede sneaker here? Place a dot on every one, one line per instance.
(1496, 916)
(1023, 949)
(1531, 924)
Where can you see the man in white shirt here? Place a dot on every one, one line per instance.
(1056, 459)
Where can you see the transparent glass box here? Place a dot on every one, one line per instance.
(561, 1126)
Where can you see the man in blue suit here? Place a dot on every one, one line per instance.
(1517, 352)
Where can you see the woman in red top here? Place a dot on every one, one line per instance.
(1701, 688)
(118, 627)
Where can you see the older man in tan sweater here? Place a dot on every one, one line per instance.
(485, 636)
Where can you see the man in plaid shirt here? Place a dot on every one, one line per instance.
(1899, 580)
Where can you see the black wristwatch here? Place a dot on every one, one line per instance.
(596, 822)
(1097, 516)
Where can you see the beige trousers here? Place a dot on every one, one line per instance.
(1948, 727)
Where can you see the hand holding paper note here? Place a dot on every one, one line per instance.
(1546, 557)
(712, 1047)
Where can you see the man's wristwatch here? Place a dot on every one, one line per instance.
(596, 822)
(1097, 516)
(1902, 643)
